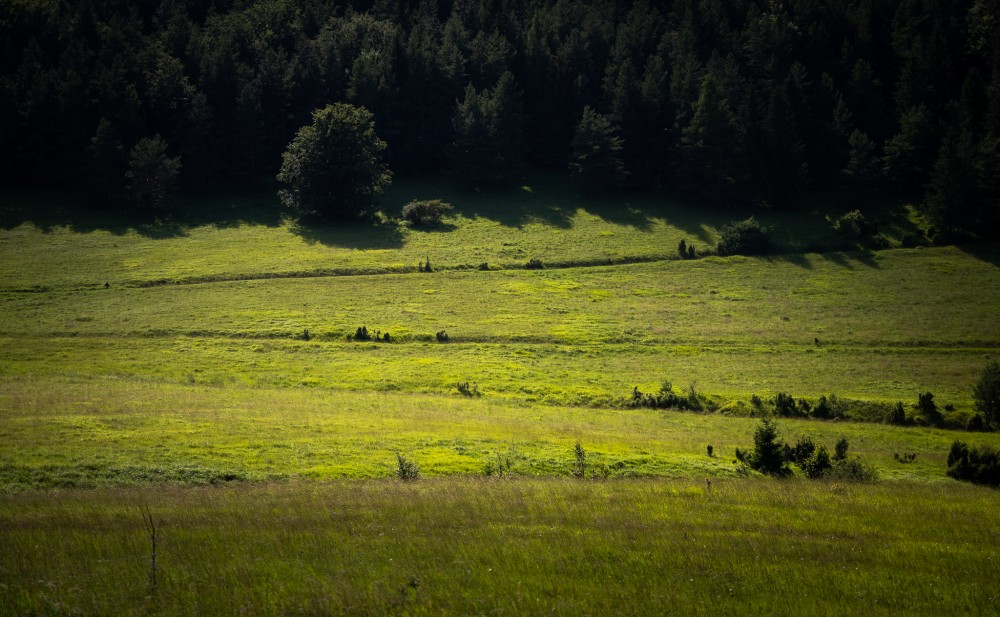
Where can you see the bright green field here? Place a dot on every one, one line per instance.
(192, 368)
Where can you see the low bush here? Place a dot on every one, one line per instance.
(854, 226)
(978, 465)
(467, 390)
(853, 470)
(579, 468)
(534, 264)
(426, 212)
(666, 398)
(406, 469)
(928, 409)
(441, 336)
(746, 237)
(817, 465)
(767, 456)
(905, 458)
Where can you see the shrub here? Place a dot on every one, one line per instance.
(425, 267)
(784, 404)
(744, 238)
(361, 334)
(767, 456)
(978, 465)
(840, 450)
(441, 336)
(986, 393)
(485, 266)
(976, 423)
(854, 470)
(579, 469)
(499, 466)
(666, 398)
(897, 415)
(711, 451)
(406, 469)
(426, 212)
(817, 465)
(822, 409)
(803, 450)
(907, 457)
(534, 264)
(854, 226)
(466, 390)
(929, 410)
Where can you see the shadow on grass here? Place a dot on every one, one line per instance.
(48, 211)
(988, 252)
(372, 233)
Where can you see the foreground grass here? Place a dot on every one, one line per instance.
(64, 434)
(462, 546)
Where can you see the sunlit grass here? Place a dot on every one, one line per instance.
(108, 432)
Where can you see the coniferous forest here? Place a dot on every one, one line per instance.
(735, 102)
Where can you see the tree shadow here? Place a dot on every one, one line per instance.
(49, 210)
(988, 252)
(370, 233)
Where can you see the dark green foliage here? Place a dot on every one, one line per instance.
(979, 465)
(840, 450)
(897, 415)
(361, 334)
(579, 468)
(767, 456)
(333, 167)
(488, 146)
(905, 458)
(534, 264)
(852, 470)
(596, 161)
(747, 237)
(406, 469)
(466, 389)
(666, 398)
(425, 266)
(711, 451)
(853, 226)
(426, 212)
(499, 466)
(802, 452)
(685, 250)
(986, 392)
(784, 405)
(151, 173)
(441, 336)
(821, 410)
(818, 464)
(976, 423)
(928, 408)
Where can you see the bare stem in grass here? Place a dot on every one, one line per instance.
(147, 518)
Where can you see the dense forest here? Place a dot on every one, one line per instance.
(721, 101)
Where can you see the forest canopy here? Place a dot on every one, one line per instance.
(724, 102)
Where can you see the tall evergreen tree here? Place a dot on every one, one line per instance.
(596, 159)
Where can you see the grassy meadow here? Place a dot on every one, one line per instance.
(212, 381)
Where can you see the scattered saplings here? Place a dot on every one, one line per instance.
(772, 457)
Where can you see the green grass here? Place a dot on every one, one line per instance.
(518, 547)
(50, 241)
(115, 399)
(64, 433)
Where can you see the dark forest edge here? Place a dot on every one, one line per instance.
(779, 100)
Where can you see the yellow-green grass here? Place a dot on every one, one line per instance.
(101, 432)
(525, 547)
(929, 297)
(50, 241)
(554, 374)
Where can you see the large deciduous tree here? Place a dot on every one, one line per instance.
(333, 167)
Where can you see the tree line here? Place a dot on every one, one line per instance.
(722, 101)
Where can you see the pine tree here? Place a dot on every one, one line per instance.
(596, 159)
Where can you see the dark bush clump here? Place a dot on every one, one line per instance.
(817, 465)
(854, 226)
(467, 390)
(579, 469)
(897, 415)
(441, 336)
(534, 264)
(767, 456)
(666, 398)
(978, 465)
(928, 409)
(361, 334)
(784, 405)
(744, 238)
(426, 212)
(854, 470)
(986, 393)
(840, 450)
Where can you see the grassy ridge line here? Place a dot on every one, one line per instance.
(557, 374)
(339, 272)
(902, 297)
(58, 432)
(526, 547)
